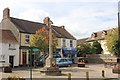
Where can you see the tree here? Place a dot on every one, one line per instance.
(112, 41)
(41, 39)
(85, 48)
(116, 48)
(98, 47)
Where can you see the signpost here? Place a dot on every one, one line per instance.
(31, 51)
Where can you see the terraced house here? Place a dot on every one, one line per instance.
(23, 29)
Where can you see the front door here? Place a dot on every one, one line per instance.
(11, 61)
(24, 54)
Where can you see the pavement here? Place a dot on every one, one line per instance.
(94, 71)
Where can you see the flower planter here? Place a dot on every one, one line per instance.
(7, 70)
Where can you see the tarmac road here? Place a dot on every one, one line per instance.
(78, 73)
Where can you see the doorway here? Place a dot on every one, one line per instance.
(24, 54)
(11, 61)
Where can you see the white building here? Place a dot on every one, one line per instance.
(9, 50)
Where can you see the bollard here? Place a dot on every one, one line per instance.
(103, 73)
(87, 75)
(69, 76)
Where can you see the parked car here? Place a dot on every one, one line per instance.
(63, 62)
(41, 60)
(83, 59)
(56, 55)
(116, 69)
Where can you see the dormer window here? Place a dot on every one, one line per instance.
(94, 35)
(104, 33)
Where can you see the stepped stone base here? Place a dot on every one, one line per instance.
(51, 71)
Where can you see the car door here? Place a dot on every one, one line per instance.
(65, 62)
(61, 62)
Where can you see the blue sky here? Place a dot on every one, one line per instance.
(80, 17)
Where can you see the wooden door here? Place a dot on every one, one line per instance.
(11, 61)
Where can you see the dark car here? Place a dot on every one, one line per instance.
(56, 55)
(116, 69)
(41, 60)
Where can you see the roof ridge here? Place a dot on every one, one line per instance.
(27, 20)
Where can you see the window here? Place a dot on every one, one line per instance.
(104, 33)
(27, 37)
(71, 43)
(94, 35)
(2, 57)
(64, 43)
(12, 47)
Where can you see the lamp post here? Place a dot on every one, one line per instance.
(119, 21)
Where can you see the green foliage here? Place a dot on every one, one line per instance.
(41, 39)
(116, 48)
(111, 40)
(85, 48)
(38, 40)
(97, 47)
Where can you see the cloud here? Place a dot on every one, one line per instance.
(33, 15)
(80, 17)
(83, 20)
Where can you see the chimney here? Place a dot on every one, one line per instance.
(6, 13)
(62, 26)
(46, 20)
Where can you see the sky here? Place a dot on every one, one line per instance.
(80, 17)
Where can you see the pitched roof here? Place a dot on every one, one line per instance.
(31, 27)
(7, 37)
(26, 26)
(100, 35)
(79, 41)
(63, 33)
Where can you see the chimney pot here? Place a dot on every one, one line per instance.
(6, 13)
(46, 20)
(63, 26)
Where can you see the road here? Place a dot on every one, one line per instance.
(95, 72)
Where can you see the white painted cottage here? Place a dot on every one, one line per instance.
(9, 49)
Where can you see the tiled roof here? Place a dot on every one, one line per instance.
(31, 27)
(100, 35)
(7, 37)
(79, 41)
(26, 26)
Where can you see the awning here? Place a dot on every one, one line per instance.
(35, 49)
(72, 51)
